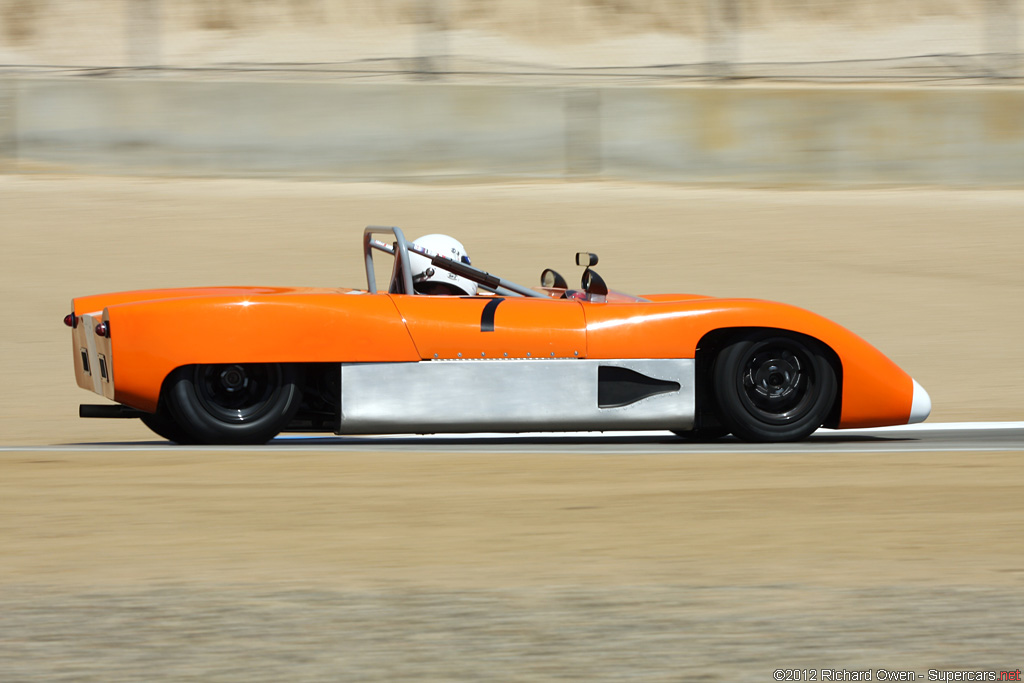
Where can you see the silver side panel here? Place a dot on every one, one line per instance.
(506, 396)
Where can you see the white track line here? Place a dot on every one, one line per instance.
(292, 443)
(930, 427)
(592, 450)
(921, 427)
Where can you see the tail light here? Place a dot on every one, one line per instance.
(103, 329)
(71, 320)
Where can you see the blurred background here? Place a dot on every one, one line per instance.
(862, 159)
(705, 91)
(587, 41)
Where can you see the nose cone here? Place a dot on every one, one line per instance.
(921, 406)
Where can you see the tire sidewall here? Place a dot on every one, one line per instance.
(733, 409)
(187, 409)
(163, 424)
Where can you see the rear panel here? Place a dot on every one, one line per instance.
(91, 351)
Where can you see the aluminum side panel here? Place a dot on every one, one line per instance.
(506, 396)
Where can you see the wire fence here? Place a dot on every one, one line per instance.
(939, 69)
(977, 45)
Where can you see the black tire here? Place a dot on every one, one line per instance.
(162, 423)
(233, 403)
(770, 386)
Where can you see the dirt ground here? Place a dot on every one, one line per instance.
(264, 566)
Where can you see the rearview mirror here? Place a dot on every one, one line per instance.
(585, 258)
(593, 284)
(553, 280)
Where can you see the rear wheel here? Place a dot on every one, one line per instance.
(773, 387)
(233, 403)
(162, 423)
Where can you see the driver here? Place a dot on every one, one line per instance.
(428, 279)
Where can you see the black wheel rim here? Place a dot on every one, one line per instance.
(237, 393)
(777, 382)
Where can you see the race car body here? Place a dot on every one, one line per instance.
(239, 365)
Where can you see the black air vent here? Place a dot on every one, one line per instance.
(618, 387)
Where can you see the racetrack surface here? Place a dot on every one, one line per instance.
(334, 563)
(931, 437)
(926, 438)
(124, 559)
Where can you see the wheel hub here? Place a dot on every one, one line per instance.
(236, 393)
(234, 378)
(776, 382)
(776, 377)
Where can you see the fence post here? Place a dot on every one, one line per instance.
(722, 36)
(431, 39)
(1001, 19)
(142, 33)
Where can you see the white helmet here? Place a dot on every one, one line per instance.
(424, 272)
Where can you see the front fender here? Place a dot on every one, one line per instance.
(875, 391)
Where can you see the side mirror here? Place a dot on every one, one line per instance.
(585, 258)
(594, 285)
(553, 280)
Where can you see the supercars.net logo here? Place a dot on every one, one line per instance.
(893, 675)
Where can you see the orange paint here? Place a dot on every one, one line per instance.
(153, 332)
(151, 338)
(519, 327)
(876, 391)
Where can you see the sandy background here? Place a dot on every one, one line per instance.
(571, 33)
(263, 566)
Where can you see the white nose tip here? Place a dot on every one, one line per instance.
(921, 406)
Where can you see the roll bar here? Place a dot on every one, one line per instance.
(400, 248)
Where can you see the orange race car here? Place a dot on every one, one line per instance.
(241, 364)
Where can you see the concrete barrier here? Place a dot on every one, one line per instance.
(699, 134)
(284, 128)
(955, 136)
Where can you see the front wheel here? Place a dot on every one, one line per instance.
(234, 403)
(773, 387)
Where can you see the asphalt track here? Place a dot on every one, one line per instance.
(938, 437)
(582, 558)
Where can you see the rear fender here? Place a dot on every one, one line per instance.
(150, 339)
